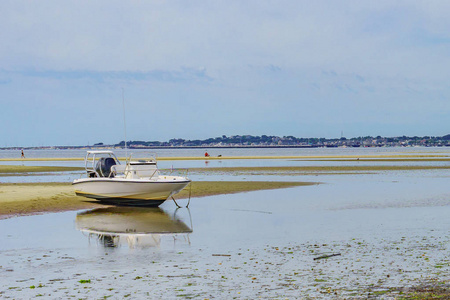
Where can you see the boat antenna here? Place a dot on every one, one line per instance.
(124, 122)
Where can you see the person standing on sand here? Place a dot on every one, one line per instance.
(206, 154)
(23, 155)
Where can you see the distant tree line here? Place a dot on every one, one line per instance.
(269, 140)
(273, 141)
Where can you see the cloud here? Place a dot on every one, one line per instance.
(265, 65)
(144, 36)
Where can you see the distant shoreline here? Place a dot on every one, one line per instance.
(152, 147)
(107, 147)
(379, 157)
(264, 141)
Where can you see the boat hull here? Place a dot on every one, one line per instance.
(128, 192)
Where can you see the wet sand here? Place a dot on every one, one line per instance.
(312, 169)
(36, 198)
(379, 159)
(18, 199)
(361, 271)
(13, 170)
(8, 170)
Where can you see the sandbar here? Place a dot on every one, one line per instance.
(8, 170)
(350, 159)
(18, 199)
(294, 170)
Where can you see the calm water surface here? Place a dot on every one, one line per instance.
(187, 164)
(344, 206)
(56, 153)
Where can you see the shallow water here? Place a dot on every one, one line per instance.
(391, 229)
(190, 164)
(58, 153)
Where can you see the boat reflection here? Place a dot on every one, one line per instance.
(137, 227)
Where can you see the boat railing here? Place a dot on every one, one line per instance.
(151, 176)
(129, 172)
(118, 169)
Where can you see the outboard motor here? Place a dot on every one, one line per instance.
(104, 165)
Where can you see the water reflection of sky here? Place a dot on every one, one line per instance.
(344, 206)
(240, 163)
(234, 152)
(190, 164)
(205, 176)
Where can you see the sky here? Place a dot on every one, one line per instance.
(200, 69)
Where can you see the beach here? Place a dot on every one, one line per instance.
(297, 226)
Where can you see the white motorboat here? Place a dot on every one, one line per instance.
(137, 182)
